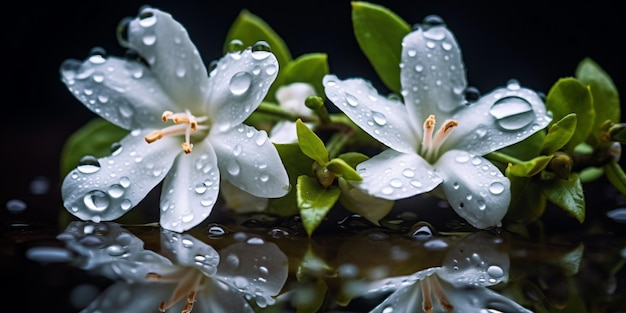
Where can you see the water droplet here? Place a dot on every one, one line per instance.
(149, 40)
(116, 191)
(271, 69)
(462, 157)
(125, 182)
(513, 84)
(237, 150)
(422, 233)
(481, 205)
(351, 100)
(396, 183)
(416, 184)
(512, 113)
(455, 185)
(261, 138)
(216, 231)
(407, 172)
(96, 200)
(255, 241)
(435, 244)
(235, 45)
(496, 188)
(126, 205)
(116, 148)
(261, 50)
(264, 177)
(115, 250)
(200, 188)
(387, 190)
(88, 165)
(472, 94)
(233, 167)
(446, 46)
(379, 118)
(495, 271)
(147, 19)
(16, 206)
(419, 68)
(240, 83)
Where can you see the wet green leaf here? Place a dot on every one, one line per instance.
(250, 28)
(308, 68)
(379, 33)
(568, 195)
(559, 134)
(314, 201)
(531, 167)
(615, 174)
(342, 169)
(94, 138)
(527, 148)
(356, 201)
(353, 158)
(311, 145)
(567, 96)
(297, 164)
(605, 95)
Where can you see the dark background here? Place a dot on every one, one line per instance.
(532, 41)
(535, 43)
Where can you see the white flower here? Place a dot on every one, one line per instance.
(291, 98)
(167, 82)
(447, 160)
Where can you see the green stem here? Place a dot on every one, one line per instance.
(503, 158)
(277, 111)
(335, 144)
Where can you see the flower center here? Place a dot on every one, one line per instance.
(432, 141)
(184, 123)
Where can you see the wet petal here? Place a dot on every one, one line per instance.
(285, 132)
(238, 84)
(499, 119)
(256, 268)
(185, 250)
(166, 47)
(357, 201)
(109, 187)
(393, 175)
(249, 160)
(292, 97)
(217, 296)
(432, 73)
(474, 187)
(122, 297)
(122, 91)
(382, 118)
(191, 189)
(480, 299)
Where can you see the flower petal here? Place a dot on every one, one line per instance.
(191, 189)
(432, 74)
(393, 175)
(249, 160)
(474, 187)
(238, 84)
(166, 47)
(122, 91)
(382, 118)
(499, 119)
(114, 184)
(293, 96)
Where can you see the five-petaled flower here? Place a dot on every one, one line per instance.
(437, 137)
(164, 80)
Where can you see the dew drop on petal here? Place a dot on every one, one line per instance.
(495, 271)
(147, 19)
(88, 165)
(496, 188)
(126, 205)
(96, 200)
(462, 157)
(379, 118)
(351, 100)
(233, 167)
(240, 83)
(116, 191)
(149, 40)
(261, 50)
(512, 113)
(235, 45)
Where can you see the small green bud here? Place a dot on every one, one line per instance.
(617, 132)
(561, 165)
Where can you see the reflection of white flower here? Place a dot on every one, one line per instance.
(193, 276)
(459, 285)
(421, 157)
(168, 82)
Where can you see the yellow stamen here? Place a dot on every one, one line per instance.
(431, 142)
(441, 295)
(185, 123)
(427, 304)
(153, 276)
(429, 125)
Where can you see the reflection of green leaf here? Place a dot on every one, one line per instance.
(308, 68)
(94, 138)
(605, 95)
(340, 168)
(297, 164)
(314, 201)
(568, 195)
(559, 134)
(311, 145)
(615, 174)
(250, 28)
(531, 167)
(567, 96)
(379, 33)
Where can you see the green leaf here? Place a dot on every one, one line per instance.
(605, 96)
(250, 28)
(353, 158)
(615, 174)
(340, 168)
(379, 33)
(94, 138)
(527, 148)
(314, 201)
(567, 96)
(297, 164)
(311, 145)
(528, 203)
(530, 168)
(568, 195)
(308, 68)
(559, 134)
